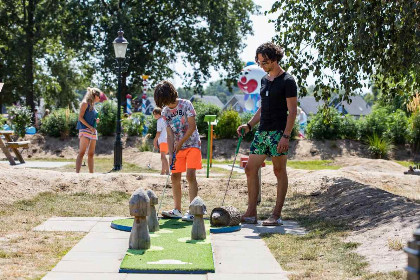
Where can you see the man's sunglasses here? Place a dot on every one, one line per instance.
(262, 63)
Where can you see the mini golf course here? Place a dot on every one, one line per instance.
(172, 250)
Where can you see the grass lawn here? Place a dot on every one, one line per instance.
(322, 253)
(406, 163)
(296, 164)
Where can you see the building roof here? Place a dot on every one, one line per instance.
(357, 107)
(236, 98)
(208, 99)
(309, 104)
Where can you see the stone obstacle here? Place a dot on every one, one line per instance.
(197, 209)
(153, 222)
(413, 251)
(140, 209)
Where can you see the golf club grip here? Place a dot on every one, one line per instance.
(171, 167)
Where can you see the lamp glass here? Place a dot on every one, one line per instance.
(120, 49)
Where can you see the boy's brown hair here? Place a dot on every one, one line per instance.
(165, 94)
(157, 111)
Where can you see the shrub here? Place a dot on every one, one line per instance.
(379, 147)
(246, 117)
(397, 127)
(151, 123)
(326, 124)
(375, 123)
(108, 118)
(414, 130)
(60, 123)
(20, 118)
(295, 131)
(201, 110)
(134, 126)
(349, 128)
(3, 120)
(228, 124)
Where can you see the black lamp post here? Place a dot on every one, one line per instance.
(120, 48)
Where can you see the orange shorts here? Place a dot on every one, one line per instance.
(189, 158)
(163, 148)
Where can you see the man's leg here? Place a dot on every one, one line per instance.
(192, 184)
(251, 171)
(176, 190)
(279, 166)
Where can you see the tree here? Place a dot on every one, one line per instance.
(358, 40)
(206, 34)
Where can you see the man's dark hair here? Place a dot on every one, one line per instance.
(165, 94)
(157, 111)
(269, 51)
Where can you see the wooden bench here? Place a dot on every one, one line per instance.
(10, 144)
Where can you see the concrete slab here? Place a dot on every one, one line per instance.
(81, 226)
(103, 245)
(99, 265)
(259, 276)
(84, 276)
(288, 227)
(236, 168)
(75, 219)
(87, 256)
(103, 227)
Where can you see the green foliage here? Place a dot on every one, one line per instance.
(202, 110)
(326, 124)
(374, 123)
(134, 126)
(397, 127)
(245, 118)
(60, 123)
(415, 130)
(349, 128)
(3, 120)
(295, 131)
(379, 147)
(144, 145)
(20, 118)
(376, 38)
(228, 123)
(151, 123)
(107, 118)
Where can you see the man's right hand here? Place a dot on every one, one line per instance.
(244, 128)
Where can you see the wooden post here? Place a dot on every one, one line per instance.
(152, 219)
(197, 208)
(6, 152)
(140, 209)
(413, 251)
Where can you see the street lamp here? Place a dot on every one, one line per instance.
(120, 48)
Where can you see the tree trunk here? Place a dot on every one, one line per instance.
(29, 67)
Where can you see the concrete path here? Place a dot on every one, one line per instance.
(240, 255)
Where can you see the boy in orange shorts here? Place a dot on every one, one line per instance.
(160, 140)
(183, 140)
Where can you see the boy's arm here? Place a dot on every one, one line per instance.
(155, 141)
(191, 128)
(170, 140)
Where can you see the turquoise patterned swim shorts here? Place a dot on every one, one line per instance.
(265, 143)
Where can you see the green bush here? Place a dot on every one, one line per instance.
(107, 118)
(397, 127)
(295, 131)
(349, 128)
(151, 123)
(20, 118)
(3, 120)
(228, 124)
(245, 118)
(326, 124)
(60, 123)
(379, 147)
(201, 110)
(414, 130)
(374, 123)
(134, 126)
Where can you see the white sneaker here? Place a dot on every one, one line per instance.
(174, 214)
(188, 217)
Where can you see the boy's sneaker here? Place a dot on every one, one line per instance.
(173, 214)
(188, 217)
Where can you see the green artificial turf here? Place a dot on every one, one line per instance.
(172, 250)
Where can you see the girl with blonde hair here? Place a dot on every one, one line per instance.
(88, 117)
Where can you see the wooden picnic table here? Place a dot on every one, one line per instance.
(10, 144)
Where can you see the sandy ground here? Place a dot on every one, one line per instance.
(362, 193)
